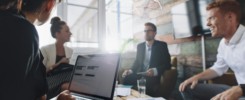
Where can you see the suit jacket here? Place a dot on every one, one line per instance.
(49, 54)
(160, 59)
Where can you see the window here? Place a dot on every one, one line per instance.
(83, 23)
(119, 21)
(203, 4)
(44, 33)
(180, 21)
(82, 18)
(98, 23)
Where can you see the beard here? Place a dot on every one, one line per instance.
(149, 38)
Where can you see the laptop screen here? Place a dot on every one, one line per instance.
(95, 75)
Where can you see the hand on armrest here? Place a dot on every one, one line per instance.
(127, 72)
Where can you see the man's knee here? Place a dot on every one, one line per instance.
(187, 93)
(204, 91)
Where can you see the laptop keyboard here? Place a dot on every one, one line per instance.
(81, 98)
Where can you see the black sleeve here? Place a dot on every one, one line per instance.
(19, 60)
(243, 89)
(38, 70)
(43, 85)
(165, 58)
(35, 73)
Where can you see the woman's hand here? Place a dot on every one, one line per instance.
(65, 95)
(64, 60)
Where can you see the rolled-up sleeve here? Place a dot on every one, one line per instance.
(220, 66)
(155, 72)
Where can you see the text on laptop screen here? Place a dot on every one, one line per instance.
(94, 75)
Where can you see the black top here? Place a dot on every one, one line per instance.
(58, 58)
(22, 74)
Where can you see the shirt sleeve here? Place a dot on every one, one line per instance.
(155, 73)
(220, 66)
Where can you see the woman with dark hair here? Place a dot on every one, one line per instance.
(23, 76)
(57, 53)
(56, 58)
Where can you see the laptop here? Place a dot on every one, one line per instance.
(94, 77)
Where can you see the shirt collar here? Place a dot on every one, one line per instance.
(147, 46)
(238, 35)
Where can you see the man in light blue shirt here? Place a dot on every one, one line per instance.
(152, 59)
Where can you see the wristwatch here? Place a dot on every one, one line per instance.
(243, 88)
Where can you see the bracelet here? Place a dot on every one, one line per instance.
(243, 88)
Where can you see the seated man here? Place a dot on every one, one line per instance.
(223, 19)
(153, 58)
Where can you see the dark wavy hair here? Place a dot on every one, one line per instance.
(33, 5)
(227, 6)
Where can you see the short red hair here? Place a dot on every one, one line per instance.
(226, 6)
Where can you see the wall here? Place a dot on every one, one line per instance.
(184, 48)
(187, 50)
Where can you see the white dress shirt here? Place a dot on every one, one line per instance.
(147, 56)
(148, 59)
(146, 62)
(232, 55)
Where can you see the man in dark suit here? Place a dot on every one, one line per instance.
(152, 58)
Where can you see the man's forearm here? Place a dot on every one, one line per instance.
(206, 75)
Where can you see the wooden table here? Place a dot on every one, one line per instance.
(134, 94)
